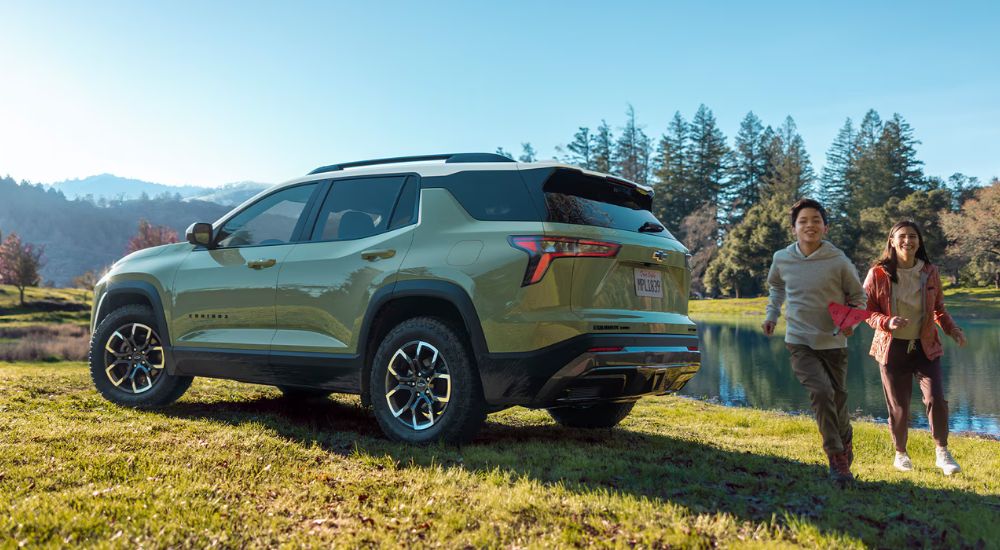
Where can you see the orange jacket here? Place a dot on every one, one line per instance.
(878, 287)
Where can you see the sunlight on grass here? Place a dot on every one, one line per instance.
(237, 465)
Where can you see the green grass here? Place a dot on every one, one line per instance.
(236, 466)
(12, 314)
(962, 302)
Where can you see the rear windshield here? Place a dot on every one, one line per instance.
(572, 197)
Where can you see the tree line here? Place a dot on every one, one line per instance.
(21, 262)
(729, 203)
(80, 235)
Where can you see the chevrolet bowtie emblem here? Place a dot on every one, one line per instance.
(659, 255)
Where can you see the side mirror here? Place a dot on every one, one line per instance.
(200, 234)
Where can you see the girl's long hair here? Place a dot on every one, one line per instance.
(888, 258)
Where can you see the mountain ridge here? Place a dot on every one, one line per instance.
(116, 188)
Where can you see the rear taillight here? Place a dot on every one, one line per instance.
(543, 250)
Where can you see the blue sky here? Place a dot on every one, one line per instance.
(213, 92)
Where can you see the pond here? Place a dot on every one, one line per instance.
(742, 367)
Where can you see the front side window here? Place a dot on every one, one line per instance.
(357, 208)
(271, 220)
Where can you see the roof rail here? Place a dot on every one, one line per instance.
(447, 157)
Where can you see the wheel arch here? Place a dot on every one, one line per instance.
(413, 298)
(125, 293)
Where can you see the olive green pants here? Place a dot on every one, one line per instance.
(823, 372)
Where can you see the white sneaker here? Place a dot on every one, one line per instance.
(902, 462)
(946, 462)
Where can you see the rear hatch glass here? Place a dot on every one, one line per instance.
(579, 199)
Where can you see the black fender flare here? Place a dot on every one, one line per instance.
(445, 290)
(427, 288)
(139, 288)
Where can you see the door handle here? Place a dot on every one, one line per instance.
(261, 264)
(372, 255)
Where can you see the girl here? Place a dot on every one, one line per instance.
(904, 296)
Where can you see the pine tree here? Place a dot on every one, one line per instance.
(748, 168)
(603, 146)
(899, 149)
(581, 149)
(870, 131)
(672, 198)
(741, 265)
(708, 157)
(838, 172)
(527, 153)
(886, 164)
(631, 154)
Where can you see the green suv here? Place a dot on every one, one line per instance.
(439, 288)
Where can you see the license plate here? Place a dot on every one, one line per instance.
(648, 282)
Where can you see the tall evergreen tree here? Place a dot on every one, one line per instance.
(708, 157)
(604, 142)
(503, 153)
(898, 146)
(839, 171)
(869, 132)
(581, 149)
(886, 165)
(741, 265)
(789, 175)
(631, 153)
(527, 153)
(748, 168)
(672, 199)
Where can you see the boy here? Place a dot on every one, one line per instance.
(810, 273)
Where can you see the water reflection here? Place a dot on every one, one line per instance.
(742, 367)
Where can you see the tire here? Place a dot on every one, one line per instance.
(128, 360)
(604, 415)
(440, 398)
(304, 394)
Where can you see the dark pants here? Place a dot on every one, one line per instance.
(897, 382)
(823, 372)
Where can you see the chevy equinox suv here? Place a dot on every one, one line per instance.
(437, 291)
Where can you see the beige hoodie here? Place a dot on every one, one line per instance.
(810, 283)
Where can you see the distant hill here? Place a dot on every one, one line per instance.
(110, 187)
(79, 235)
(231, 194)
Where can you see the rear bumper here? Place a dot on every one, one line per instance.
(591, 369)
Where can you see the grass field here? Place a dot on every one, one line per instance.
(44, 306)
(236, 466)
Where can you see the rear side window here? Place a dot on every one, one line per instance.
(573, 197)
(406, 207)
(488, 195)
(357, 208)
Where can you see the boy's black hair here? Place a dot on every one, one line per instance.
(808, 203)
